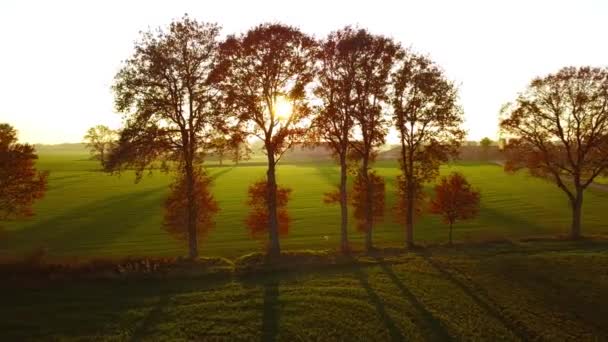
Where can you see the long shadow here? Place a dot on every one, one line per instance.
(393, 330)
(152, 316)
(518, 330)
(78, 226)
(225, 170)
(270, 317)
(425, 318)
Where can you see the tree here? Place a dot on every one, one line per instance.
(99, 140)
(428, 119)
(240, 148)
(257, 220)
(361, 202)
(558, 128)
(336, 81)
(269, 70)
(372, 66)
(485, 144)
(176, 206)
(220, 145)
(168, 93)
(20, 183)
(455, 200)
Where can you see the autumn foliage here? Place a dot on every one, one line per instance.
(257, 221)
(176, 207)
(20, 183)
(454, 200)
(401, 207)
(359, 199)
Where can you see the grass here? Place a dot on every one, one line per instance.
(87, 213)
(493, 292)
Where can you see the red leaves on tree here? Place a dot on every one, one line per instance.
(20, 183)
(359, 198)
(257, 221)
(402, 202)
(176, 207)
(455, 200)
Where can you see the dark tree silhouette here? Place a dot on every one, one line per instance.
(99, 140)
(428, 121)
(558, 128)
(455, 200)
(374, 56)
(168, 94)
(270, 67)
(257, 220)
(336, 81)
(20, 183)
(361, 202)
(176, 206)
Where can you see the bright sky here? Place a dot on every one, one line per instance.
(58, 58)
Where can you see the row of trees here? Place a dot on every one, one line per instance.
(183, 87)
(100, 140)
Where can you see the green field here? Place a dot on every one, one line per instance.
(87, 213)
(553, 291)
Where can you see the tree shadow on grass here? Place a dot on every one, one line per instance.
(224, 170)
(483, 301)
(393, 330)
(270, 316)
(88, 226)
(424, 319)
(153, 316)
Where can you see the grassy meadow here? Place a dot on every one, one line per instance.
(553, 291)
(87, 213)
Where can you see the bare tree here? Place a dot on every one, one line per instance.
(558, 128)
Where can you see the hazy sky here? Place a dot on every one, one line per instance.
(58, 58)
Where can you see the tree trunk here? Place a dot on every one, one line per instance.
(409, 220)
(274, 248)
(344, 246)
(368, 205)
(577, 206)
(221, 157)
(192, 239)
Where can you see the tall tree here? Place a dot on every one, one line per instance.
(220, 146)
(558, 128)
(428, 119)
(372, 67)
(270, 68)
(454, 200)
(99, 140)
(336, 80)
(168, 94)
(20, 183)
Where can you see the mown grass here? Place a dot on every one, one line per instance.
(87, 213)
(529, 291)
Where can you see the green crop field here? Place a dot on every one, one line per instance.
(555, 291)
(87, 213)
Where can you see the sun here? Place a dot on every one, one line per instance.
(282, 108)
